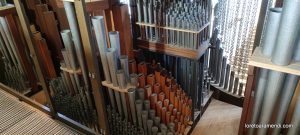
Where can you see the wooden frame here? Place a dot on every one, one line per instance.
(92, 63)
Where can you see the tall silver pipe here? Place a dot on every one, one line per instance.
(99, 28)
(295, 120)
(131, 96)
(73, 23)
(67, 40)
(139, 10)
(67, 62)
(289, 87)
(139, 108)
(121, 79)
(271, 31)
(287, 33)
(274, 85)
(114, 39)
(112, 63)
(124, 105)
(124, 66)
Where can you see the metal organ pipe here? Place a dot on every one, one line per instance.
(270, 35)
(287, 33)
(70, 13)
(99, 28)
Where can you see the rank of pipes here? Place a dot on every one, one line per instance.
(177, 23)
(233, 41)
(13, 71)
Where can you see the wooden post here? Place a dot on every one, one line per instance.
(92, 62)
(29, 39)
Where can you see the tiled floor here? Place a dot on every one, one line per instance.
(219, 119)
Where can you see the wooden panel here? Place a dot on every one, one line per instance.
(259, 60)
(44, 57)
(123, 25)
(5, 10)
(29, 40)
(91, 5)
(175, 51)
(92, 63)
(53, 34)
(29, 73)
(248, 100)
(40, 9)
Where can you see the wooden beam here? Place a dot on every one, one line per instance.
(29, 39)
(92, 63)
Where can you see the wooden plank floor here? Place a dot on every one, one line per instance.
(18, 118)
(219, 119)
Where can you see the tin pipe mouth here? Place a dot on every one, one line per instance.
(276, 10)
(98, 17)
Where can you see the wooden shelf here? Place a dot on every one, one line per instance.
(6, 10)
(176, 29)
(104, 83)
(259, 60)
(172, 50)
(71, 71)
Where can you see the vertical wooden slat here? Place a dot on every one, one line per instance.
(248, 100)
(52, 34)
(92, 63)
(122, 24)
(33, 51)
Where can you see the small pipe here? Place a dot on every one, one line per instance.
(158, 108)
(141, 78)
(121, 79)
(146, 105)
(139, 108)
(142, 68)
(112, 63)
(153, 100)
(154, 130)
(157, 121)
(115, 42)
(161, 96)
(124, 105)
(152, 114)
(132, 66)
(157, 88)
(163, 114)
(131, 96)
(134, 79)
(119, 104)
(144, 119)
(151, 79)
(148, 91)
(124, 66)
(149, 126)
(141, 94)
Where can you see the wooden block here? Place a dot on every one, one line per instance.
(123, 25)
